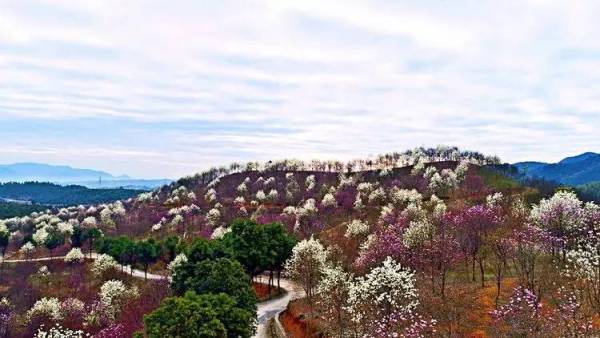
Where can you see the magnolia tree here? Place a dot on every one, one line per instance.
(525, 316)
(473, 228)
(527, 247)
(383, 302)
(333, 290)
(306, 265)
(386, 241)
(584, 261)
(561, 215)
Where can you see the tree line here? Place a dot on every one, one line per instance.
(212, 287)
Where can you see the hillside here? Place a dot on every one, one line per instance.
(576, 170)
(590, 191)
(53, 194)
(455, 236)
(12, 209)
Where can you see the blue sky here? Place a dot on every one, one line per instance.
(167, 88)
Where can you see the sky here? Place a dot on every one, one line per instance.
(168, 88)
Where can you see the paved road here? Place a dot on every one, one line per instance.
(265, 310)
(136, 273)
(273, 307)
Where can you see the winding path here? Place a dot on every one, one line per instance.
(135, 272)
(265, 310)
(271, 308)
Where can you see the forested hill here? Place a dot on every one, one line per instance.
(53, 194)
(576, 170)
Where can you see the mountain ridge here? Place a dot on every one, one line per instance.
(574, 170)
(65, 175)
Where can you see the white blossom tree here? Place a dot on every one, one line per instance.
(306, 264)
(332, 292)
(387, 290)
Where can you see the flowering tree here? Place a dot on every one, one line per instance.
(113, 295)
(527, 246)
(46, 307)
(473, 226)
(332, 293)
(383, 302)
(74, 256)
(386, 241)
(522, 315)
(306, 264)
(356, 228)
(58, 331)
(584, 261)
(103, 263)
(561, 215)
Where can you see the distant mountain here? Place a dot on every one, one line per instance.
(20, 172)
(123, 183)
(576, 170)
(66, 175)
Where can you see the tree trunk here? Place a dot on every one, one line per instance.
(473, 268)
(482, 272)
(278, 279)
(443, 284)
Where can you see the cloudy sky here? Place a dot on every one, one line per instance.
(166, 88)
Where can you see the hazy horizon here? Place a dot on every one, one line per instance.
(153, 89)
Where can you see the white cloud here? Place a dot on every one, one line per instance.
(349, 78)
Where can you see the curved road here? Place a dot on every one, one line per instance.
(134, 272)
(273, 307)
(265, 310)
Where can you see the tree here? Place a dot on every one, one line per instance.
(205, 315)
(122, 249)
(78, 236)
(279, 248)
(4, 238)
(561, 215)
(248, 245)
(203, 248)
(170, 247)
(221, 275)
(147, 252)
(306, 265)
(384, 301)
(473, 227)
(91, 235)
(528, 246)
(333, 298)
(260, 247)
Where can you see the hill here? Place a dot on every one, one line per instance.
(576, 170)
(590, 191)
(433, 216)
(57, 195)
(14, 209)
